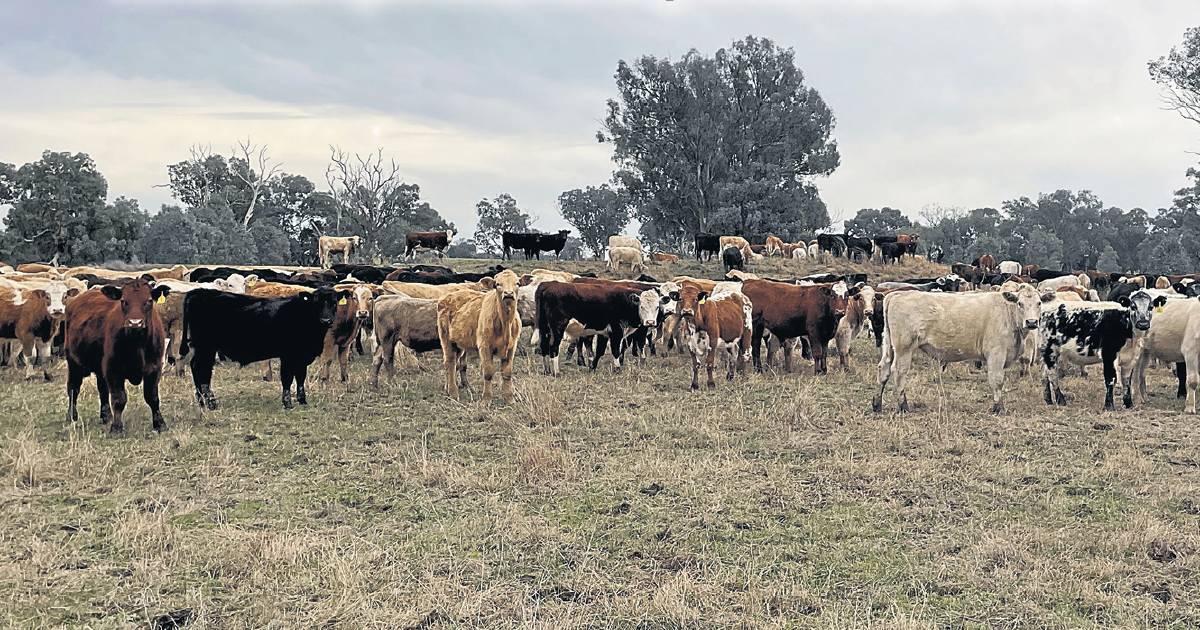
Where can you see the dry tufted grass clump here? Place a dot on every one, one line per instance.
(603, 499)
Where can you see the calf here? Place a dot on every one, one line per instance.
(631, 256)
(664, 258)
(788, 311)
(486, 323)
(952, 327)
(711, 324)
(25, 316)
(352, 314)
(248, 329)
(399, 319)
(1086, 333)
(116, 334)
(597, 306)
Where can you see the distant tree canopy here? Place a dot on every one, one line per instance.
(1178, 72)
(596, 212)
(495, 217)
(729, 143)
(871, 222)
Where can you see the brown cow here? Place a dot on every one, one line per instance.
(987, 262)
(116, 334)
(774, 246)
(411, 322)
(790, 311)
(438, 241)
(486, 323)
(264, 289)
(712, 324)
(25, 316)
(664, 258)
(35, 268)
(327, 246)
(351, 314)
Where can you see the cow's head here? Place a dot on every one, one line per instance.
(688, 299)
(1029, 303)
(450, 234)
(364, 299)
(504, 284)
(356, 241)
(325, 302)
(1141, 307)
(564, 232)
(137, 299)
(60, 294)
(866, 297)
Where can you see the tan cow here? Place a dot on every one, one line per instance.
(620, 240)
(625, 255)
(402, 322)
(774, 246)
(265, 289)
(1174, 337)
(735, 241)
(662, 257)
(329, 245)
(177, 272)
(35, 268)
(486, 323)
(952, 327)
(541, 275)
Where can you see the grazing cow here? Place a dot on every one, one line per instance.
(832, 243)
(1010, 267)
(116, 334)
(399, 319)
(951, 327)
(437, 240)
(733, 258)
(664, 258)
(735, 241)
(25, 316)
(986, 262)
(1086, 333)
(712, 324)
(610, 306)
(485, 323)
(709, 244)
(625, 255)
(788, 311)
(327, 246)
(247, 329)
(774, 246)
(860, 311)
(620, 240)
(860, 244)
(527, 242)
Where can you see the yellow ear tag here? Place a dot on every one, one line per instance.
(161, 299)
(1159, 309)
(342, 302)
(702, 300)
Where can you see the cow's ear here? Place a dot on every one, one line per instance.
(487, 282)
(1048, 297)
(149, 279)
(1159, 301)
(636, 298)
(1123, 301)
(111, 292)
(525, 280)
(703, 295)
(852, 291)
(160, 293)
(674, 295)
(1010, 296)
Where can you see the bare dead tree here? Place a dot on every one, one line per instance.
(362, 187)
(259, 171)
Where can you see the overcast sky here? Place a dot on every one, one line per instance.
(962, 103)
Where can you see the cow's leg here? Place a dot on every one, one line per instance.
(270, 373)
(1110, 376)
(450, 367)
(182, 355)
(344, 361)
(695, 369)
(104, 393)
(286, 376)
(601, 346)
(1180, 376)
(1193, 382)
(29, 354)
(710, 362)
(385, 353)
(1140, 379)
(616, 340)
(150, 394)
(487, 369)
(116, 389)
(506, 368)
(462, 369)
(731, 355)
(818, 353)
(46, 356)
(756, 337)
(75, 378)
(328, 354)
(786, 344)
(301, 373)
(202, 369)
(1127, 365)
(995, 367)
(885, 373)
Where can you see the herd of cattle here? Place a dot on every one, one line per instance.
(125, 326)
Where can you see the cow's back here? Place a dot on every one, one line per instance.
(954, 326)
(1167, 329)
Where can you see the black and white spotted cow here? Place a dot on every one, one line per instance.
(1084, 333)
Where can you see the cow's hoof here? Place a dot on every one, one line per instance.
(160, 426)
(712, 386)
(998, 408)
(287, 404)
(116, 429)
(1128, 402)
(211, 403)
(876, 405)
(1060, 399)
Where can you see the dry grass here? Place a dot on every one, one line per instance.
(603, 500)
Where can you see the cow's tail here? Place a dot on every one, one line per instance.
(887, 352)
(182, 351)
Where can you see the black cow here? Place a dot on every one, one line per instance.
(1048, 274)
(366, 273)
(856, 242)
(891, 252)
(248, 329)
(707, 244)
(551, 243)
(832, 243)
(607, 306)
(527, 242)
(733, 259)
(208, 274)
(1095, 333)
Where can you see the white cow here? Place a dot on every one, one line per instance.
(952, 327)
(1174, 337)
(1010, 267)
(631, 256)
(1054, 284)
(620, 240)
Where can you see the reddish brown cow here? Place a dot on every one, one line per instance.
(711, 325)
(25, 316)
(790, 311)
(116, 334)
(987, 262)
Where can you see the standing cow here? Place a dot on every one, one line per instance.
(327, 246)
(437, 240)
(952, 327)
(711, 324)
(116, 334)
(486, 323)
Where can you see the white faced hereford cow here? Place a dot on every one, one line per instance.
(327, 246)
(952, 327)
(712, 324)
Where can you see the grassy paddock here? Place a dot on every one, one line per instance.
(602, 500)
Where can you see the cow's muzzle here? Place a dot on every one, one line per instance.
(135, 323)
(1142, 324)
(1031, 324)
(325, 321)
